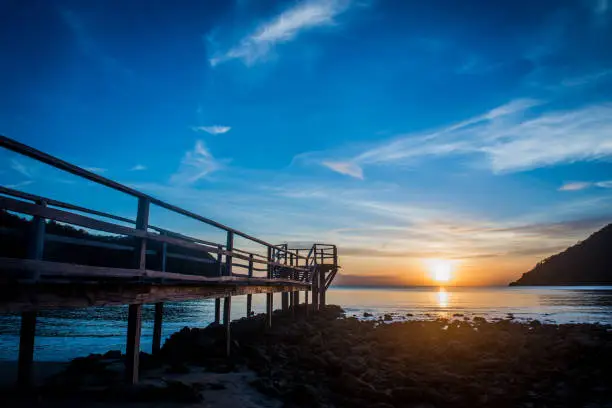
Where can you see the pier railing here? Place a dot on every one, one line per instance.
(278, 263)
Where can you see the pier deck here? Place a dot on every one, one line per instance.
(47, 263)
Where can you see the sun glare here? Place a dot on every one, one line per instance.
(440, 269)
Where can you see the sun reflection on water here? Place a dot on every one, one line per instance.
(443, 297)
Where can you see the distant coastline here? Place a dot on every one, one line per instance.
(588, 263)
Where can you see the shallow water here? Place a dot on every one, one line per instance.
(65, 334)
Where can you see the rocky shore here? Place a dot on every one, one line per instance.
(328, 360)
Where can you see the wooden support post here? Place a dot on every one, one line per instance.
(26, 349)
(133, 343)
(217, 310)
(297, 298)
(135, 311)
(228, 258)
(315, 290)
(285, 301)
(36, 247)
(250, 265)
(321, 289)
(227, 310)
(269, 309)
(157, 327)
(249, 305)
(292, 305)
(306, 303)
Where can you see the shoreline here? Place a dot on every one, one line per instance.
(329, 360)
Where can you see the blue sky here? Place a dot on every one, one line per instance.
(475, 131)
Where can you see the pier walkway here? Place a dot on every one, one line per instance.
(114, 260)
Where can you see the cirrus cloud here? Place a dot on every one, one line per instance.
(283, 28)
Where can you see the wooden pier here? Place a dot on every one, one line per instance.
(46, 265)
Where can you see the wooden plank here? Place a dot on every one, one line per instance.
(269, 309)
(133, 343)
(60, 269)
(157, 327)
(20, 298)
(26, 349)
(227, 321)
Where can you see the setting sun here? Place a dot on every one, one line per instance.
(440, 269)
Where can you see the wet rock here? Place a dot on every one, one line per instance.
(112, 354)
(387, 317)
(366, 314)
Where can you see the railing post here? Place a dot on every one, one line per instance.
(163, 256)
(228, 257)
(220, 260)
(36, 244)
(142, 224)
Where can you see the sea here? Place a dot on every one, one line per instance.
(65, 334)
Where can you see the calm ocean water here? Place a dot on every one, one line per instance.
(62, 335)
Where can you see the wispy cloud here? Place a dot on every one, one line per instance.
(195, 165)
(138, 167)
(586, 79)
(213, 130)
(21, 184)
(511, 138)
(21, 168)
(283, 28)
(582, 185)
(347, 168)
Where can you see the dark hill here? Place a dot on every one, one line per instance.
(589, 262)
